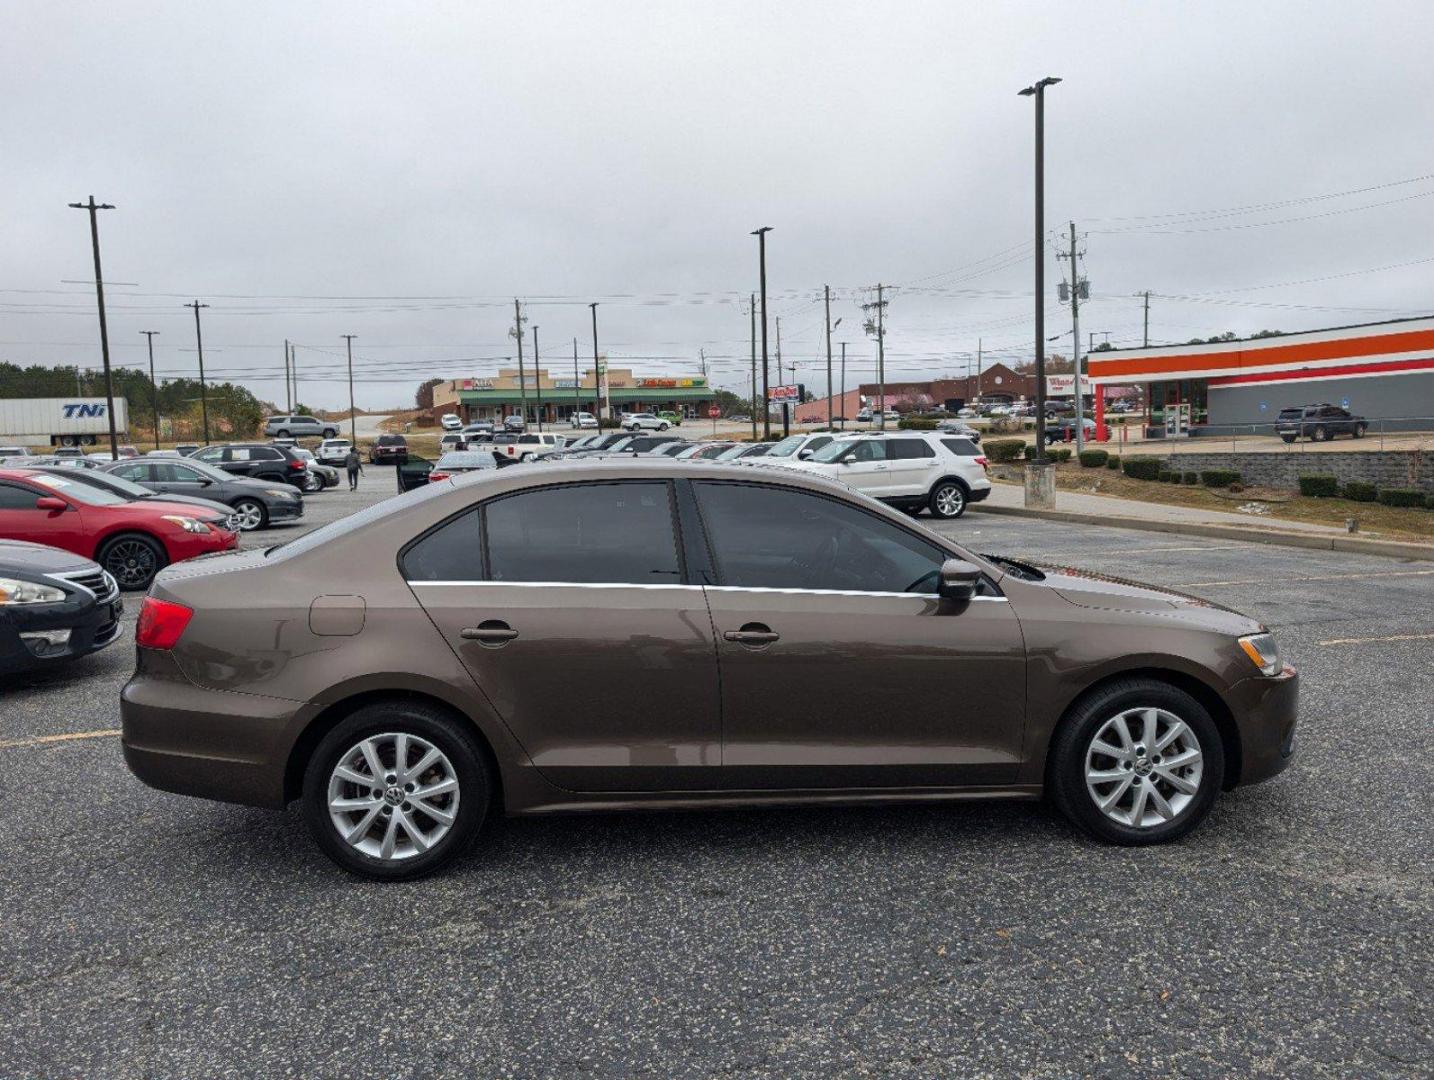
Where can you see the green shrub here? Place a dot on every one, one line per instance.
(1217, 478)
(1429, 501)
(1113, 462)
(1165, 476)
(1319, 486)
(1000, 451)
(1190, 478)
(1093, 459)
(1401, 497)
(1058, 453)
(916, 424)
(1142, 468)
(1029, 453)
(1359, 491)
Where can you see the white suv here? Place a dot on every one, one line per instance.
(639, 420)
(908, 469)
(529, 445)
(333, 451)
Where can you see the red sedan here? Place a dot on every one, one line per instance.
(133, 540)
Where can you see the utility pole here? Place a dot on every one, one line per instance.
(203, 387)
(785, 421)
(153, 386)
(978, 367)
(843, 385)
(538, 377)
(878, 326)
(288, 397)
(752, 311)
(294, 374)
(1075, 342)
(1038, 91)
(577, 385)
(353, 420)
(1146, 294)
(827, 296)
(94, 207)
(517, 332)
(761, 235)
(599, 373)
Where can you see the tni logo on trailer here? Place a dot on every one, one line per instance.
(79, 410)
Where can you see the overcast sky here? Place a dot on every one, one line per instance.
(400, 172)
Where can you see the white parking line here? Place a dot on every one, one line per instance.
(1313, 577)
(1375, 640)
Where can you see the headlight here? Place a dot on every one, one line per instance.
(1263, 652)
(15, 591)
(188, 524)
(278, 494)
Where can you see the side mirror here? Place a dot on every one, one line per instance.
(803, 455)
(50, 502)
(959, 579)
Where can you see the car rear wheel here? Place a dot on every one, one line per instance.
(396, 791)
(250, 514)
(1359, 430)
(312, 482)
(283, 434)
(1319, 434)
(1287, 438)
(132, 559)
(948, 500)
(1139, 762)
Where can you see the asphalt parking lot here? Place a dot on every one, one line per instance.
(146, 934)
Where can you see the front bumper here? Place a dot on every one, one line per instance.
(286, 510)
(93, 625)
(1265, 712)
(188, 545)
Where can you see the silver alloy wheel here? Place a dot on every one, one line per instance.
(949, 500)
(393, 796)
(248, 516)
(1143, 767)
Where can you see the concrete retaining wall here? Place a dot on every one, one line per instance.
(1387, 469)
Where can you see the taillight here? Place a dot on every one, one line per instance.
(296, 464)
(981, 460)
(160, 624)
(434, 477)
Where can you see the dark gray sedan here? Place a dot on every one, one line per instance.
(256, 504)
(130, 490)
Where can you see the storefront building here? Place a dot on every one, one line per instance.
(1382, 371)
(558, 397)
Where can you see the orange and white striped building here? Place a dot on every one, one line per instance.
(1383, 371)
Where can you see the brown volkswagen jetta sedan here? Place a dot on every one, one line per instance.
(653, 633)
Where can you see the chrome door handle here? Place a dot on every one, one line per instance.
(490, 632)
(752, 634)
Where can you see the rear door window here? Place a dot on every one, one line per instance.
(961, 447)
(618, 533)
(451, 552)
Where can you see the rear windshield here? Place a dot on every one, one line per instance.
(391, 440)
(1291, 414)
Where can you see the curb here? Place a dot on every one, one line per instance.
(1391, 549)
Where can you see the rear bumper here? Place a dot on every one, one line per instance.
(207, 743)
(980, 494)
(1265, 712)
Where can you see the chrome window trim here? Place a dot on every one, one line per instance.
(714, 588)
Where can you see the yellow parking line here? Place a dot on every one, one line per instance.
(45, 740)
(1374, 640)
(1317, 577)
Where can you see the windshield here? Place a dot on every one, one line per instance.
(209, 472)
(833, 450)
(733, 452)
(787, 447)
(127, 488)
(81, 493)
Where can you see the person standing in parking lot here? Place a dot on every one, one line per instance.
(354, 464)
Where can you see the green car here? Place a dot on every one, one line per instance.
(675, 419)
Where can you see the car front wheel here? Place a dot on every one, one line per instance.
(249, 514)
(948, 500)
(396, 791)
(132, 559)
(1319, 434)
(1138, 762)
(1359, 430)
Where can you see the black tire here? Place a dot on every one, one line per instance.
(312, 482)
(948, 499)
(245, 506)
(456, 741)
(1319, 434)
(331, 433)
(1065, 766)
(662, 427)
(283, 433)
(132, 559)
(1359, 430)
(1287, 438)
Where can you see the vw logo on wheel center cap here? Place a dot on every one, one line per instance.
(394, 795)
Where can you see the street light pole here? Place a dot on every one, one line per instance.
(153, 386)
(761, 235)
(827, 296)
(93, 207)
(843, 385)
(203, 388)
(752, 311)
(1038, 91)
(353, 420)
(538, 377)
(604, 407)
(577, 385)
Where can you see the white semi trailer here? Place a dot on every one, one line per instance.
(70, 421)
